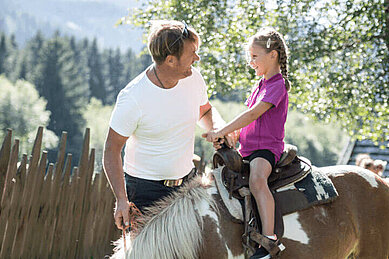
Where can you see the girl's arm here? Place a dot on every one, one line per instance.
(242, 120)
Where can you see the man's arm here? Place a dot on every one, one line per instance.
(242, 120)
(210, 117)
(112, 162)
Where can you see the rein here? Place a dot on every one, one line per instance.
(124, 239)
(134, 214)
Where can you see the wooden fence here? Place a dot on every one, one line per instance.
(52, 211)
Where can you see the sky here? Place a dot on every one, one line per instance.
(79, 18)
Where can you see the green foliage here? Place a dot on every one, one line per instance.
(320, 142)
(228, 110)
(8, 54)
(339, 65)
(115, 73)
(96, 79)
(341, 68)
(67, 73)
(22, 110)
(98, 127)
(32, 52)
(58, 81)
(3, 53)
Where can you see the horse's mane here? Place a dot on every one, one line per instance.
(173, 228)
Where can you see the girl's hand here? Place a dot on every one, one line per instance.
(212, 136)
(232, 138)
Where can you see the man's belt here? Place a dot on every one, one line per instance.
(178, 182)
(173, 183)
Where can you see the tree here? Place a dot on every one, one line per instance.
(12, 58)
(77, 93)
(80, 59)
(130, 66)
(115, 74)
(22, 110)
(50, 85)
(64, 89)
(321, 143)
(22, 70)
(339, 52)
(143, 62)
(3, 53)
(98, 126)
(8, 55)
(96, 78)
(33, 51)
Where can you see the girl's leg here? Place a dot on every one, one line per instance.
(260, 170)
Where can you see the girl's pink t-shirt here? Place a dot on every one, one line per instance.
(268, 131)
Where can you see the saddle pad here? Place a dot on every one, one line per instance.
(233, 205)
(314, 189)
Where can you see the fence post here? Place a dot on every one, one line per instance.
(5, 153)
(6, 223)
(27, 195)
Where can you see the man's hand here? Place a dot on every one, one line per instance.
(218, 143)
(122, 214)
(230, 140)
(212, 136)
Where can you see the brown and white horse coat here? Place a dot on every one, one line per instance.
(194, 223)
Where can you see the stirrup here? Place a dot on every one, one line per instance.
(274, 247)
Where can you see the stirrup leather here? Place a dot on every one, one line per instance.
(274, 247)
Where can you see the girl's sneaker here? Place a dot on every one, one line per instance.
(260, 253)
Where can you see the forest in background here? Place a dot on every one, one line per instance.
(66, 84)
(338, 69)
(66, 73)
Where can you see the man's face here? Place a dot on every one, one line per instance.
(188, 57)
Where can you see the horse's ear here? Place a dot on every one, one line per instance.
(228, 157)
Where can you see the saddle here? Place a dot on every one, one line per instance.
(292, 183)
(290, 168)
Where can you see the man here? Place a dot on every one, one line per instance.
(155, 116)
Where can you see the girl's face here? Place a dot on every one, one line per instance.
(260, 60)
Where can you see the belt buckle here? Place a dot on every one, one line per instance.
(172, 183)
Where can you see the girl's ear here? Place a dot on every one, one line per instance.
(274, 54)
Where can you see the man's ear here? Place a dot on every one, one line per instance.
(171, 60)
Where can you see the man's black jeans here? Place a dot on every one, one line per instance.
(143, 193)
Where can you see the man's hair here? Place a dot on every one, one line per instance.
(166, 38)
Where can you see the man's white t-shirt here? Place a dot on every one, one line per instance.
(160, 124)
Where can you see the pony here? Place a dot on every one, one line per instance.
(193, 223)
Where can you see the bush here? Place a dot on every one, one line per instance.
(22, 110)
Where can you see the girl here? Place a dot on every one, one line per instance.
(262, 125)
